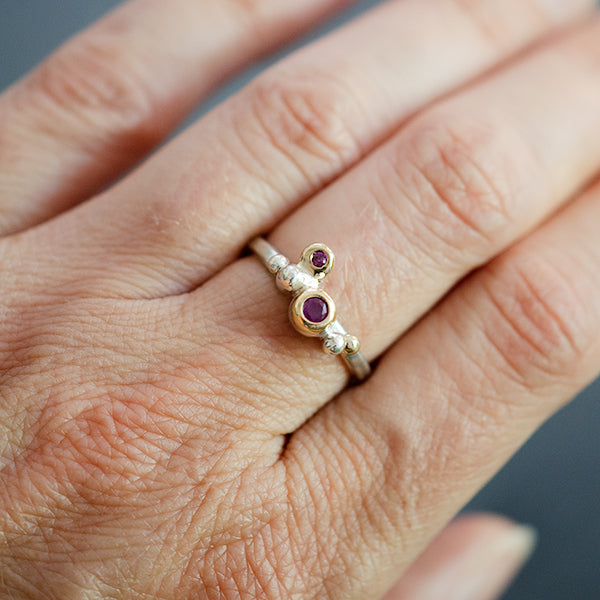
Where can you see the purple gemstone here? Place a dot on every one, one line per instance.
(319, 259)
(315, 309)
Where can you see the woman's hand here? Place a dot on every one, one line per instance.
(164, 432)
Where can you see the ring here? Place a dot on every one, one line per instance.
(312, 311)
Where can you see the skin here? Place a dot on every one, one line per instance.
(164, 432)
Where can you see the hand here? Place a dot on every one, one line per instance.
(164, 431)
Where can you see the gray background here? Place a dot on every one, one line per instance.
(553, 483)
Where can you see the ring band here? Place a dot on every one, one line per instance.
(312, 310)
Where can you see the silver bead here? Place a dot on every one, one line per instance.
(304, 281)
(285, 277)
(334, 343)
(294, 279)
(277, 262)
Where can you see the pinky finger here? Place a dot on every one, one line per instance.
(474, 558)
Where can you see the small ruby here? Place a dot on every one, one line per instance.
(319, 259)
(315, 309)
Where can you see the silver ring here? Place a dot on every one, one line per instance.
(312, 311)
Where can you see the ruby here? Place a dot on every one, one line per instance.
(315, 309)
(319, 259)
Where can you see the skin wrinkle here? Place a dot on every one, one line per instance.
(50, 354)
(468, 412)
(406, 255)
(555, 317)
(538, 335)
(464, 141)
(311, 117)
(87, 86)
(247, 538)
(458, 187)
(474, 405)
(315, 524)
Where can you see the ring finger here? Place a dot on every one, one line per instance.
(451, 190)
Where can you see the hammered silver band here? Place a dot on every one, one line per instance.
(312, 311)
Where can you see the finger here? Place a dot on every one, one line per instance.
(395, 458)
(189, 210)
(103, 100)
(473, 558)
(450, 191)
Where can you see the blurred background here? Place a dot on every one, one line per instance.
(553, 483)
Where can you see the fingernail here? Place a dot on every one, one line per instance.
(491, 568)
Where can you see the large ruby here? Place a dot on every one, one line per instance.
(315, 309)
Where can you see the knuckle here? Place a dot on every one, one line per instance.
(456, 179)
(86, 85)
(540, 326)
(305, 116)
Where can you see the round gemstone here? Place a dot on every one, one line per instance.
(315, 309)
(319, 259)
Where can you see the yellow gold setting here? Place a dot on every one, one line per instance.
(301, 323)
(307, 263)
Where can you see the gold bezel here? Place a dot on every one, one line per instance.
(301, 323)
(306, 261)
